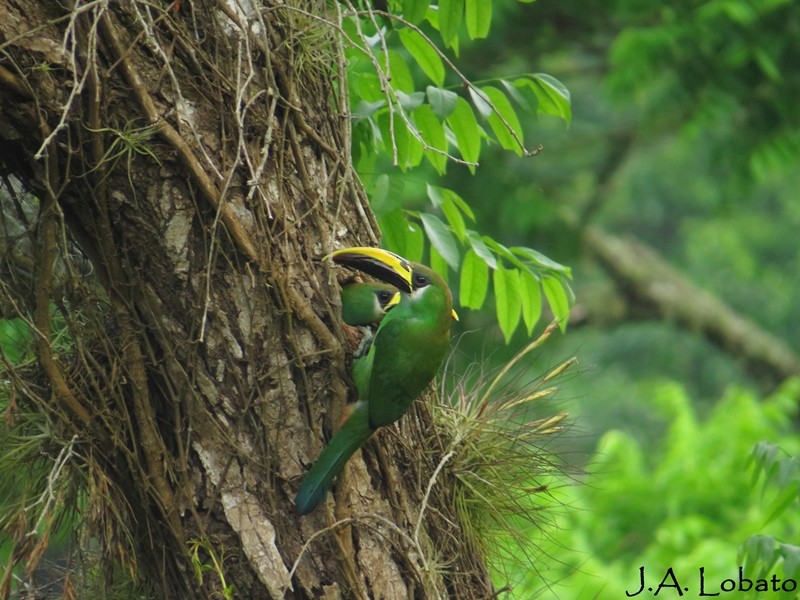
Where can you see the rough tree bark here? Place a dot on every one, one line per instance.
(191, 166)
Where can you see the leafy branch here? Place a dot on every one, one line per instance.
(387, 53)
(521, 276)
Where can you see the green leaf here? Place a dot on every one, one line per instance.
(760, 548)
(16, 337)
(552, 96)
(791, 560)
(410, 101)
(439, 264)
(540, 260)
(508, 133)
(452, 205)
(432, 131)
(558, 94)
(401, 236)
(768, 454)
(443, 102)
(481, 249)
(454, 218)
(478, 15)
(393, 225)
(451, 13)
(414, 10)
(480, 101)
(522, 95)
(767, 64)
(366, 137)
(364, 109)
(786, 498)
(432, 16)
(379, 192)
(415, 243)
(363, 80)
(435, 194)
(557, 298)
(531, 293)
(503, 252)
(787, 473)
(441, 238)
(474, 280)
(399, 73)
(462, 205)
(764, 456)
(507, 298)
(409, 148)
(424, 54)
(465, 128)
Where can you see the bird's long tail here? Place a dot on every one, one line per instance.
(332, 459)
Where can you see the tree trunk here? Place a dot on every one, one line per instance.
(191, 165)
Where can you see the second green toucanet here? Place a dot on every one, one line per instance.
(366, 304)
(407, 351)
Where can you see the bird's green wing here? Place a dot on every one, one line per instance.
(403, 364)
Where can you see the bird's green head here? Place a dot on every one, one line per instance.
(367, 303)
(424, 279)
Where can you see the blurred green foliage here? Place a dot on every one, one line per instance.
(663, 137)
(15, 340)
(690, 503)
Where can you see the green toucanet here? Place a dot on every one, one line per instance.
(407, 351)
(366, 303)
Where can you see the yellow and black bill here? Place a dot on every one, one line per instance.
(381, 264)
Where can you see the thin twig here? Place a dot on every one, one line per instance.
(48, 495)
(356, 520)
(424, 504)
(71, 49)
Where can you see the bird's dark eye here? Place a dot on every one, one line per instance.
(420, 280)
(384, 296)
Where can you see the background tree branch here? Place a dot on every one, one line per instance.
(652, 288)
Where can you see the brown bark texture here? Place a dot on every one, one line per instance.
(173, 175)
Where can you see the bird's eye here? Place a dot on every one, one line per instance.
(420, 280)
(384, 296)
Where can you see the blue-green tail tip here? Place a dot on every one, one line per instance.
(309, 497)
